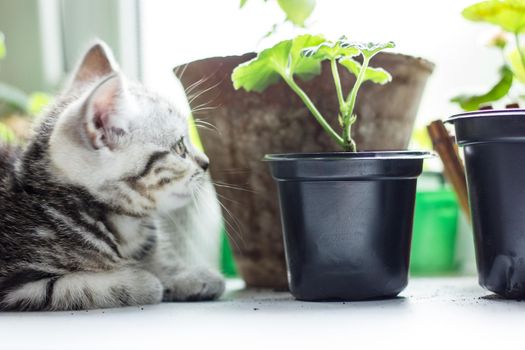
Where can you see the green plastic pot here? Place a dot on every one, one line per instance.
(434, 233)
(227, 263)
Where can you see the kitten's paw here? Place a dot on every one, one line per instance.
(194, 285)
(146, 289)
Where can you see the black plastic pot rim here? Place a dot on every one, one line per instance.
(489, 126)
(487, 113)
(347, 166)
(346, 156)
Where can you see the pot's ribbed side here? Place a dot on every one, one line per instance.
(251, 125)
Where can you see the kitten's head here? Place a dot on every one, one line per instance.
(128, 146)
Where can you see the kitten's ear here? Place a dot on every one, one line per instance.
(106, 113)
(96, 63)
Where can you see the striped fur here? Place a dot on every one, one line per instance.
(82, 206)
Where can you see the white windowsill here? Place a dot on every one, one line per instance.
(431, 313)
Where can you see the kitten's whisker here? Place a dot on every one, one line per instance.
(176, 71)
(207, 128)
(204, 108)
(230, 229)
(233, 187)
(227, 224)
(229, 184)
(200, 93)
(195, 85)
(236, 229)
(203, 79)
(232, 238)
(234, 171)
(179, 76)
(204, 104)
(228, 199)
(206, 125)
(199, 82)
(203, 121)
(188, 89)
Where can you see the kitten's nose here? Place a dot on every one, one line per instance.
(203, 162)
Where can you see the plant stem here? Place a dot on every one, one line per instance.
(348, 120)
(338, 88)
(317, 115)
(353, 94)
(518, 47)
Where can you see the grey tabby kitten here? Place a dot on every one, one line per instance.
(81, 206)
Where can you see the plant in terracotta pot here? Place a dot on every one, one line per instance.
(249, 125)
(346, 216)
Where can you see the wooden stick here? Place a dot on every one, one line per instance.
(454, 171)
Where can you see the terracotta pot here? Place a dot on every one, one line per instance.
(250, 125)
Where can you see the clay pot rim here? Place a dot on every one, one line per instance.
(421, 62)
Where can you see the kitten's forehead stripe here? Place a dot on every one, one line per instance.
(155, 157)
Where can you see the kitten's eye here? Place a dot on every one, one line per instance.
(180, 148)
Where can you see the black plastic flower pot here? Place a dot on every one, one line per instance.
(347, 221)
(494, 147)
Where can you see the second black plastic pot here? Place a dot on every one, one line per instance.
(347, 221)
(494, 146)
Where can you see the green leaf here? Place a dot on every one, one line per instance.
(2, 46)
(282, 60)
(37, 102)
(242, 3)
(368, 50)
(376, 75)
(6, 134)
(421, 138)
(263, 70)
(507, 14)
(500, 90)
(13, 98)
(517, 64)
(304, 67)
(328, 50)
(297, 11)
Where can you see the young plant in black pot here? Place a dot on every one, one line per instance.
(347, 216)
(493, 142)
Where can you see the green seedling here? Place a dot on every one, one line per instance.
(301, 58)
(509, 16)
